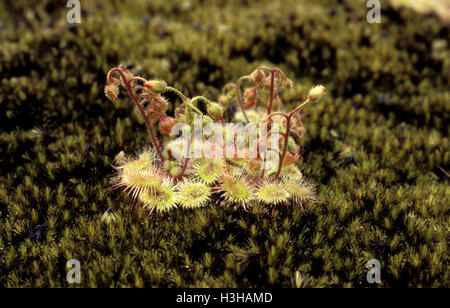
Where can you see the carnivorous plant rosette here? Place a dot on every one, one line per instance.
(243, 171)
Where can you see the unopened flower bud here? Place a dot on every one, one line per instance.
(250, 97)
(112, 91)
(214, 110)
(250, 94)
(156, 86)
(249, 104)
(115, 81)
(287, 83)
(257, 76)
(316, 93)
(159, 104)
(151, 114)
(165, 125)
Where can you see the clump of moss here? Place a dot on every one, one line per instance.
(377, 145)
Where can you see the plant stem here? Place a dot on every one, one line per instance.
(262, 101)
(199, 98)
(269, 110)
(178, 92)
(286, 138)
(191, 105)
(238, 95)
(274, 114)
(194, 108)
(159, 114)
(275, 69)
(135, 99)
(286, 135)
(300, 106)
(138, 78)
(186, 160)
(272, 78)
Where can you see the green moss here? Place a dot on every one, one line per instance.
(376, 145)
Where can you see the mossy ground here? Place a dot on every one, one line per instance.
(377, 146)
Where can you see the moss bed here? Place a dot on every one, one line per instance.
(377, 146)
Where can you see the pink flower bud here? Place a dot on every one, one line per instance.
(316, 93)
(156, 86)
(257, 76)
(112, 91)
(214, 110)
(287, 83)
(165, 125)
(250, 97)
(159, 104)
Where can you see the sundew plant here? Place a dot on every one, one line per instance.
(241, 171)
